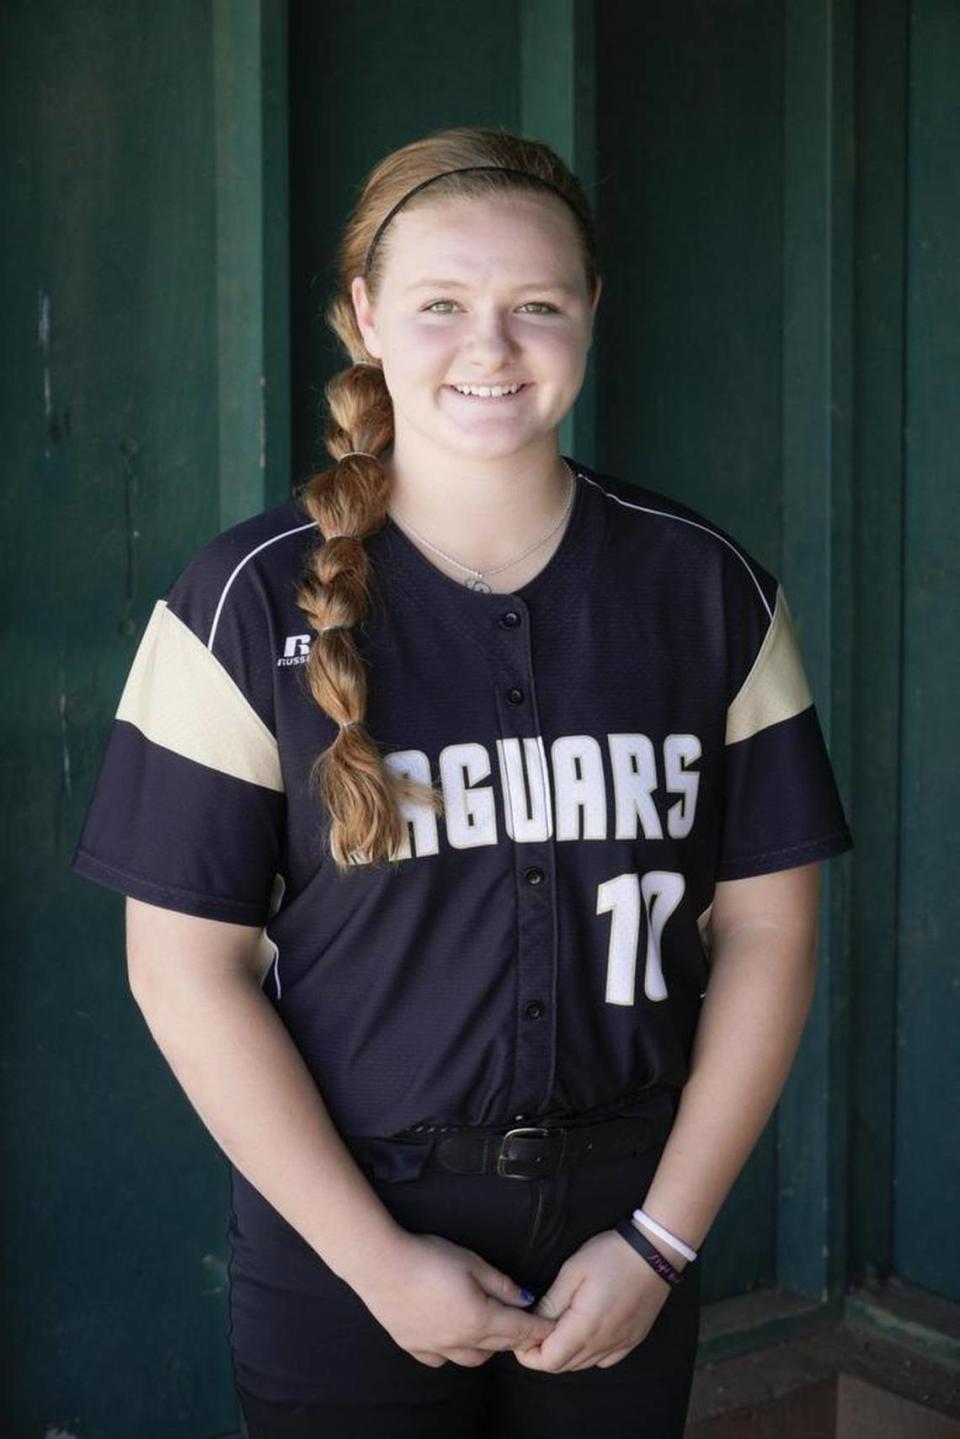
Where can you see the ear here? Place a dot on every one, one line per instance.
(593, 309)
(366, 320)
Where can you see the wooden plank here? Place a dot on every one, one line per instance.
(557, 107)
(927, 1136)
(762, 1316)
(352, 104)
(109, 375)
(910, 1316)
(815, 568)
(689, 123)
(844, 1378)
(249, 50)
(878, 558)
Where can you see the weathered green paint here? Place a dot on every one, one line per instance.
(351, 102)
(252, 266)
(926, 1247)
(557, 102)
(774, 1317)
(747, 260)
(939, 1341)
(875, 669)
(690, 142)
(115, 1227)
(815, 571)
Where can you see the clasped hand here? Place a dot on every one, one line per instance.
(604, 1300)
(441, 1302)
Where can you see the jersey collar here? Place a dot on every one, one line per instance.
(559, 583)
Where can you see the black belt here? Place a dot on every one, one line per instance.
(535, 1152)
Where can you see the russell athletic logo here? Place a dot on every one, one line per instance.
(296, 650)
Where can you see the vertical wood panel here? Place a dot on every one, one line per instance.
(927, 1136)
(818, 170)
(689, 180)
(114, 1321)
(352, 102)
(878, 562)
(144, 299)
(557, 106)
(690, 125)
(253, 301)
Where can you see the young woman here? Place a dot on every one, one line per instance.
(470, 807)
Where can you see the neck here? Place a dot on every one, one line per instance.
(482, 521)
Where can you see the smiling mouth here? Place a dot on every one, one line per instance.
(488, 399)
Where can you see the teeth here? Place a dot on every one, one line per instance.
(487, 391)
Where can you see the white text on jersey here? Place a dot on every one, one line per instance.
(579, 811)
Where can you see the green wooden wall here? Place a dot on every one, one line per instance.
(144, 296)
(778, 344)
(926, 1148)
(691, 136)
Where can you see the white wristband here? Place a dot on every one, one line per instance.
(665, 1234)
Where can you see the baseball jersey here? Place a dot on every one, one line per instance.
(611, 739)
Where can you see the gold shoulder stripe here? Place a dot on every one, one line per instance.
(181, 697)
(776, 688)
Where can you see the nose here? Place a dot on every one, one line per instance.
(490, 342)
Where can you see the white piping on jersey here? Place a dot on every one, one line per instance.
(665, 514)
(266, 942)
(274, 964)
(628, 504)
(272, 541)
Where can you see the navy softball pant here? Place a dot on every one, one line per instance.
(361, 1383)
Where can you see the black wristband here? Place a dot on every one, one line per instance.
(649, 1251)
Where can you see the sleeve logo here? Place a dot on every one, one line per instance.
(296, 650)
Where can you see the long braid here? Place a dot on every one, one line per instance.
(349, 501)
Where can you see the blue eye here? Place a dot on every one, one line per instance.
(541, 304)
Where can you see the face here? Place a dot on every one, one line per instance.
(480, 292)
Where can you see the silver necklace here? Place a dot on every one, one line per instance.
(477, 580)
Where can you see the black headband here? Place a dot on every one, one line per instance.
(504, 169)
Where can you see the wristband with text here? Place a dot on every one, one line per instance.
(649, 1251)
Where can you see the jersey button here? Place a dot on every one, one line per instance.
(534, 1009)
(510, 620)
(533, 875)
(515, 696)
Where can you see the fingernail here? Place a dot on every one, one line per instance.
(526, 1296)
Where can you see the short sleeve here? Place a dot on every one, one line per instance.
(781, 804)
(188, 807)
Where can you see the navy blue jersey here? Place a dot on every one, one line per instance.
(611, 739)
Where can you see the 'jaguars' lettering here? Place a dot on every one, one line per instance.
(566, 794)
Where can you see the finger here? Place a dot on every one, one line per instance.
(547, 1307)
(500, 1286)
(570, 1342)
(545, 1356)
(509, 1328)
(581, 1358)
(560, 1294)
(590, 1361)
(613, 1358)
(470, 1358)
(539, 1358)
(518, 1340)
(433, 1360)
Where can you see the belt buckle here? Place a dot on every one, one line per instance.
(540, 1130)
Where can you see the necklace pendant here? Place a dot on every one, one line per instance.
(476, 583)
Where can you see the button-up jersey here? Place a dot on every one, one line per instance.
(611, 739)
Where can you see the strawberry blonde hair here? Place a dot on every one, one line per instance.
(349, 501)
